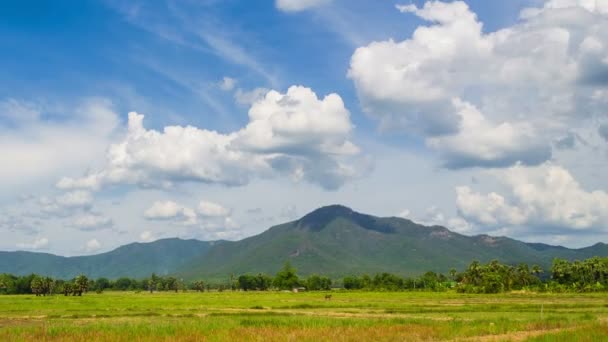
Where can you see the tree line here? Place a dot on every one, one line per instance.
(493, 277)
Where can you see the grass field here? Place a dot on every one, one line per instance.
(281, 316)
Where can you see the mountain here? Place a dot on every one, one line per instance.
(338, 241)
(334, 241)
(135, 260)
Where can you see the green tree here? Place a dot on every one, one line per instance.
(36, 286)
(102, 284)
(68, 289)
(48, 285)
(198, 286)
(352, 283)
(318, 283)
(246, 282)
(172, 284)
(123, 284)
(81, 284)
(453, 273)
(154, 282)
(286, 278)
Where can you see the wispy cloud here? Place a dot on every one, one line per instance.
(191, 28)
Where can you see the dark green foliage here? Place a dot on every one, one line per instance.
(430, 281)
(587, 275)
(101, 284)
(286, 278)
(318, 283)
(260, 282)
(81, 284)
(198, 286)
(495, 277)
(123, 284)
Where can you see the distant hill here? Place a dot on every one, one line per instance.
(338, 241)
(136, 260)
(334, 241)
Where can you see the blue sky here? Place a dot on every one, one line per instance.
(432, 117)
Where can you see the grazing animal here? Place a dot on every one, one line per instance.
(328, 297)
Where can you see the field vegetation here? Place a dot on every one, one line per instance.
(284, 315)
(484, 302)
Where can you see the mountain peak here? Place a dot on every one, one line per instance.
(330, 210)
(319, 218)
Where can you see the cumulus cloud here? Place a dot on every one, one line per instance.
(16, 224)
(210, 209)
(532, 81)
(546, 198)
(66, 204)
(299, 5)
(433, 216)
(294, 134)
(208, 215)
(92, 246)
(249, 97)
(210, 221)
(38, 243)
(34, 149)
(171, 211)
(92, 222)
(479, 143)
(220, 228)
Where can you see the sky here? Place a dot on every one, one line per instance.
(134, 121)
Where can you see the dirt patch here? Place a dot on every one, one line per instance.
(518, 335)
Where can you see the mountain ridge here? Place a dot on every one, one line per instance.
(332, 240)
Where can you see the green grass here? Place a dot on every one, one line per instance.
(268, 316)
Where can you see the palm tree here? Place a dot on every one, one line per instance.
(453, 273)
(153, 282)
(523, 273)
(67, 289)
(48, 284)
(82, 284)
(37, 286)
(199, 286)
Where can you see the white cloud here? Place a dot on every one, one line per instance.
(91, 222)
(479, 143)
(544, 198)
(35, 149)
(18, 112)
(15, 223)
(533, 81)
(67, 203)
(168, 210)
(210, 209)
(227, 83)
(92, 246)
(249, 97)
(39, 243)
(433, 216)
(147, 236)
(220, 228)
(295, 134)
(209, 221)
(299, 5)
(405, 213)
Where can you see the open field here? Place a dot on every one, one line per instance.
(280, 316)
